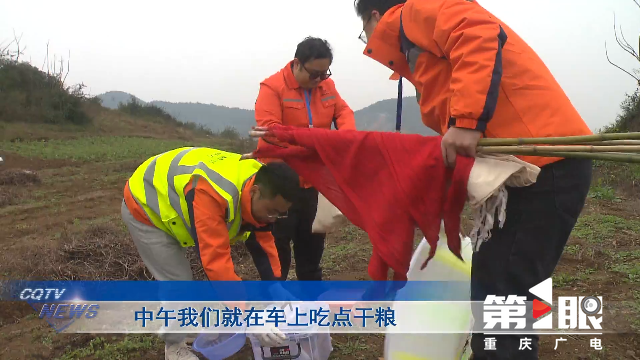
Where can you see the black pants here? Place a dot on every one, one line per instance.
(307, 246)
(527, 249)
(260, 258)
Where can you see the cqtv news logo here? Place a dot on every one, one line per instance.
(573, 312)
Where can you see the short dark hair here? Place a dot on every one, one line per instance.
(277, 178)
(312, 48)
(365, 7)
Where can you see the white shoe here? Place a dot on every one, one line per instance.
(178, 352)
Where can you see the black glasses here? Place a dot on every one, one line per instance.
(317, 74)
(363, 36)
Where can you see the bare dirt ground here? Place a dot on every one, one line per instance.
(65, 224)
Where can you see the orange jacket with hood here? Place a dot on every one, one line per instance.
(282, 101)
(472, 71)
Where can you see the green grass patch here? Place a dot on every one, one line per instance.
(47, 340)
(84, 223)
(119, 177)
(613, 174)
(352, 232)
(627, 263)
(27, 204)
(99, 348)
(572, 249)
(623, 255)
(101, 149)
(601, 191)
(597, 228)
(631, 271)
(635, 321)
(336, 256)
(563, 279)
(354, 347)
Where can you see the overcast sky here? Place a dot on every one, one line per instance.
(219, 51)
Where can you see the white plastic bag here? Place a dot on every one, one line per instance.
(444, 266)
(328, 217)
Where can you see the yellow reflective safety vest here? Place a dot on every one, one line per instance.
(158, 187)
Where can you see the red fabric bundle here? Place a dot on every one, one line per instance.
(384, 183)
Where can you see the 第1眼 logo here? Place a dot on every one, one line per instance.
(574, 312)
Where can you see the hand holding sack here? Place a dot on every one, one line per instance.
(272, 337)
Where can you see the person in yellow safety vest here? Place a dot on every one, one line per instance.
(209, 199)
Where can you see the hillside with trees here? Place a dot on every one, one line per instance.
(380, 116)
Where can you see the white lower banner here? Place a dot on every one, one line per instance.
(401, 317)
(254, 317)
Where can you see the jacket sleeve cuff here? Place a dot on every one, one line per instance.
(468, 124)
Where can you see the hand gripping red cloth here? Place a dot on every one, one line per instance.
(385, 183)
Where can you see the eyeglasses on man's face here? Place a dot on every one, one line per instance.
(313, 74)
(274, 214)
(363, 35)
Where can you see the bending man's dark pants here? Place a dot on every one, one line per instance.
(527, 249)
(307, 246)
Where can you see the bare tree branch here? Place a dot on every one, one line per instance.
(628, 46)
(46, 58)
(6, 48)
(68, 66)
(60, 72)
(624, 44)
(17, 41)
(610, 62)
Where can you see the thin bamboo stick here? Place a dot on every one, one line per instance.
(611, 142)
(626, 158)
(573, 148)
(568, 140)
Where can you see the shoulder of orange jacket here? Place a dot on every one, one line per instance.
(276, 80)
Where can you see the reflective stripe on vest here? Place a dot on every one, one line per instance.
(162, 196)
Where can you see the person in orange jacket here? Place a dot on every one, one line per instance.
(475, 77)
(302, 94)
(208, 199)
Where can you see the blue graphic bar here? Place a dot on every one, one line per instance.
(60, 291)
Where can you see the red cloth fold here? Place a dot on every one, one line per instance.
(385, 183)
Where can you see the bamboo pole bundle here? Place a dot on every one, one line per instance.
(618, 147)
(562, 148)
(624, 147)
(567, 140)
